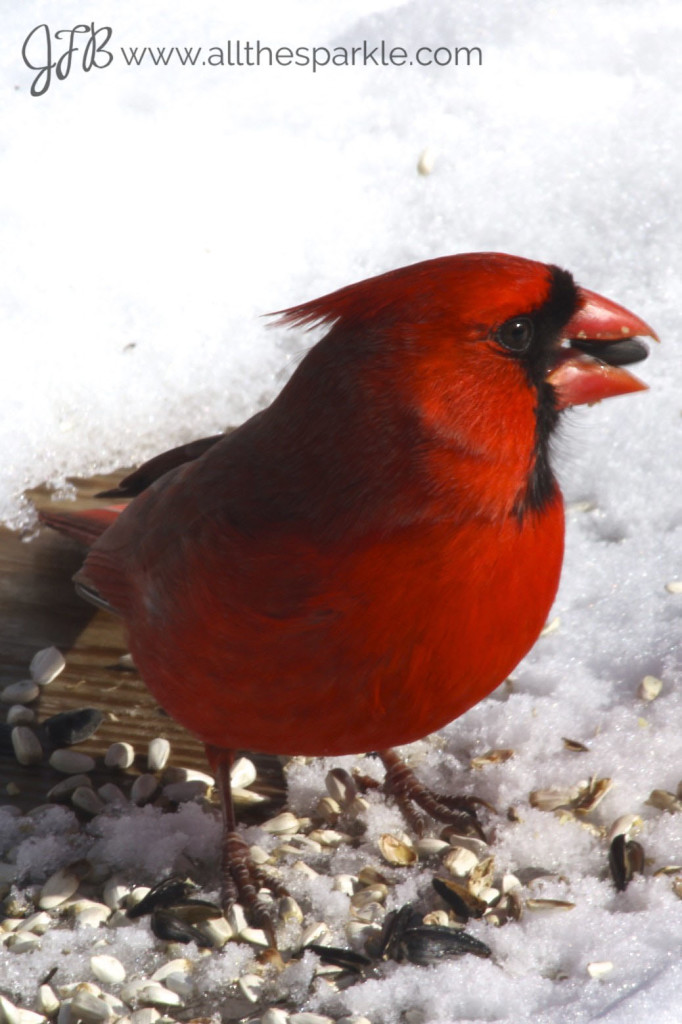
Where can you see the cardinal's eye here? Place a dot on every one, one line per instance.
(516, 334)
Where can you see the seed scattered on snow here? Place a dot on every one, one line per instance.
(491, 757)
(553, 798)
(599, 968)
(180, 983)
(119, 755)
(316, 933)
(341, 786)
(397, 851)
(289, 909)
(662, 800)
(46, 665)
(218, 931)
(439, 918)
(29, 1017)
(48, 1000)
(179, 965)
(242, 773)
(299, 843)
(242, 797)
(183, 792)
(27, 748)
(596, 791)
(430, 847)
(117, 1005)
(158, 753)
(649, 688)
(147, 1015)
(11, 1014)
(251, 987)
(674, 587)
(89, 1008)
(359, 933)
(460, 861)
(22, 692)
(174, 774)
(19, 714)
(310, 1018)
(71, 762)
(329, 837)
(236, 918)
(626, 858)
(275, 1016)
(623, 826)
(136, 896)
(144, 789)
(358, 805)
(426, 162)
(58, 888)
(66, 787)
(328, 809)
(304, 869)
(85, 798)
(23, 942)
(552, 626)
(459, 898)
(345, 884)
(372, 894)
(574, 745)
(482, 874)
(107, 969)
(153, 993)
(92, 915)
(538, 904)
(282, 824)
(369, 875)
(110, 793)
(38, 923)
(255, 937)
(115, 891)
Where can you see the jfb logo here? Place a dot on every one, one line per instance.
(39, 52)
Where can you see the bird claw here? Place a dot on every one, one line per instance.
(241, 882)
(457, 811)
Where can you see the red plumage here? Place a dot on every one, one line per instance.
(373, 553)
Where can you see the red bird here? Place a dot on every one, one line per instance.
(368, 557)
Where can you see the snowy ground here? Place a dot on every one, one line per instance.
(151, 213)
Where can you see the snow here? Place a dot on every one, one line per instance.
(152, 214)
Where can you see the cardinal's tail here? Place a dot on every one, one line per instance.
(83, 526)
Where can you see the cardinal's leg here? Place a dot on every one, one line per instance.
(403, 784)
(240, 879)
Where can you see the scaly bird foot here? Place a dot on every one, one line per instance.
(241, 882)
(404, 786)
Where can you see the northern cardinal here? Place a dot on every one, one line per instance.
(372, 554)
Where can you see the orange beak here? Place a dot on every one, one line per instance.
(603, 338)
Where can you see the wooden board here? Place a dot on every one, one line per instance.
(40, 608)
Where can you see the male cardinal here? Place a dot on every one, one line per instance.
(372, 554)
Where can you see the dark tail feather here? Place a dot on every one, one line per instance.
(83, 526)
(150, 471)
